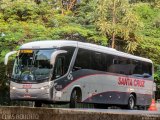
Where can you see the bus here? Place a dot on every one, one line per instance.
(64, 71)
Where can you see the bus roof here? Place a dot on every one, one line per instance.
(89, 46)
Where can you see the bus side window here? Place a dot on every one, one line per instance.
(63, 62)
(98, 61)
(120, 65)
(138, 67)
(109, 62)
(143, 69)
(59, 67)
(146, 70)
(82, 60)
(68, 57)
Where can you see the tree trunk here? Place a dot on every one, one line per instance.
(113, 23)
(113, 40)
(71, 4)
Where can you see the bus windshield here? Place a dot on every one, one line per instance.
(32, 65)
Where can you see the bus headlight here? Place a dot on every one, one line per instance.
(13, 88)
(44, 87)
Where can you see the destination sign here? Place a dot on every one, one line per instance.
(26, 51)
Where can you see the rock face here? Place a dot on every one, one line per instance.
(25, 113)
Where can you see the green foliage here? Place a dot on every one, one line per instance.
(18, 10)
(150, 17)
(157, 77)
(117, 18)
(150, 45)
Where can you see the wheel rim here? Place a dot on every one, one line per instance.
(75, 97)
(73, 100)
(131, 103)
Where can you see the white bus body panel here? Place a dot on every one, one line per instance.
(92, 85)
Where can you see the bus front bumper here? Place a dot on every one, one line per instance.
(30, 94)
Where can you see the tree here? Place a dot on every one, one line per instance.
(66, 5)
(118, 21)
(150, 45)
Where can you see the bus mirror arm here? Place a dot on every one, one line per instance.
(6, 61)
(54, 55)
(8, 55)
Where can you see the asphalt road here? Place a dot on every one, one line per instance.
(120, 111)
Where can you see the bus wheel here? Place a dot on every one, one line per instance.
(75, 97)
(37, 104)
(131, 102)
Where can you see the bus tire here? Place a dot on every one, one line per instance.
(131, 102)
(75, 98)
(37, 104)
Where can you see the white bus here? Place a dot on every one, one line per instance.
(62, 71)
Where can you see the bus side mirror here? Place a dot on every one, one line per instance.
(8, 55)
(6, 61)
(54, 55)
